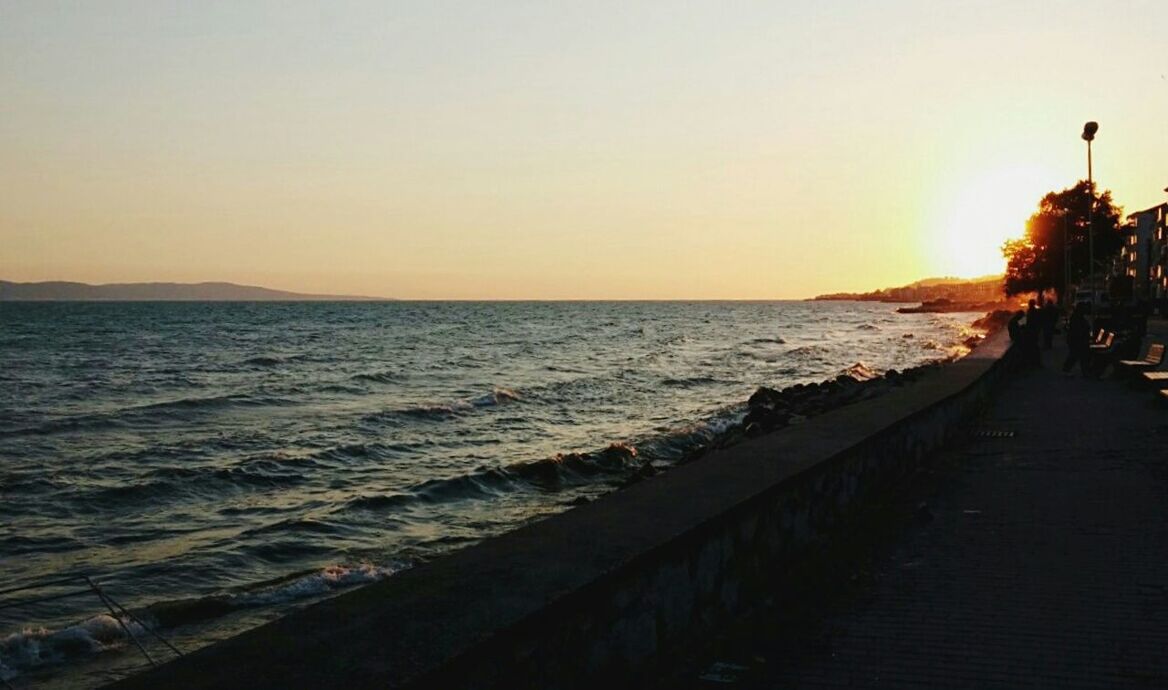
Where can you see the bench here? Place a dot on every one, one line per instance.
(1157, 380)
(1151, 360)
(1102, 355)
(1105, 344)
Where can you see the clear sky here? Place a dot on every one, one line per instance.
(561, 150)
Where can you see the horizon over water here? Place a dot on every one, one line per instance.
(214, 464)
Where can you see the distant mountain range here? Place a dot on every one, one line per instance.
(60, 291)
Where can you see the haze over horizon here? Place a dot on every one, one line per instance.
(515, 150)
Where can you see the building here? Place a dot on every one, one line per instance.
(1145, 253)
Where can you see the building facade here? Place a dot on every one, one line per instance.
(1145, 253)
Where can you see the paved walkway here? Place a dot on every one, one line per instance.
(1045, 563)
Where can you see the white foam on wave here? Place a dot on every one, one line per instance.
(316, 584)
(37, 646)
(711, 426)
(34, 647)
(860, 371)
(495, 397)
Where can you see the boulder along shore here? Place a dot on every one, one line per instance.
(773, 409)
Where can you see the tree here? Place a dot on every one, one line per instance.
(1036, 261)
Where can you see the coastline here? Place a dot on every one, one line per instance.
(607, 470)
(549, 594)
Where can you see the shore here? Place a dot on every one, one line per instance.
(524, 587)
(565, 479)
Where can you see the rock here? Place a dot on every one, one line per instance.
(763, 419)
(616, 456)
(994, 320)
(764, 397)
(923, 513)
(643, 472)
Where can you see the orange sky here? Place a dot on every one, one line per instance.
(532, 150)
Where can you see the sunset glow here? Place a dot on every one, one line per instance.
(985, 211)
(514, 150)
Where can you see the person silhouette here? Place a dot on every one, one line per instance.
(1049, 313)
(1033, 332)
(1078, 340)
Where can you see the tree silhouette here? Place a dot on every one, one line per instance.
(1036, 262)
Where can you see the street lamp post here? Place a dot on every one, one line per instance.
(1089, 130)
(1066, 296)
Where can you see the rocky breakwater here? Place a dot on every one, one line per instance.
(948, 306)
(771, 409)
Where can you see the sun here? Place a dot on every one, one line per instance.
(985, 210)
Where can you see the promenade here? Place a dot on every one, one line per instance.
(1037, 558)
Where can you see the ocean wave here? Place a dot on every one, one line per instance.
(674, 444)
(376, 502)
(434, 412)
(16, 544)
(807, 350)
(618, 461)
(171, 481)
(151, 413)
(861, 372)
(296, 587)
(27, 482)
(441, 411)
(378, 377)
(498, 396)
(64, 425)
(340, 388)
(263, 361)
(35, 647)
(324, 581)
(689, 382)
(484, 482)
(353, 451)
(563, 369)
(205, 403)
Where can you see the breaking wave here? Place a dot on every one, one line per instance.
(440, 411)
(35, 647)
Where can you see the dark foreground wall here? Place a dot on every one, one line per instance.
(610, 590)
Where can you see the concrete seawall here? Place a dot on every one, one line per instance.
(608, 591)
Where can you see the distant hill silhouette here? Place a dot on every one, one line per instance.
(60, 291)
(984, 289)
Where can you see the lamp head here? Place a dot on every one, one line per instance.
(1089, 130)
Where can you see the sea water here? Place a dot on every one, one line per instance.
(213, 464)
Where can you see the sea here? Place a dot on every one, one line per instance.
(212, 466)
